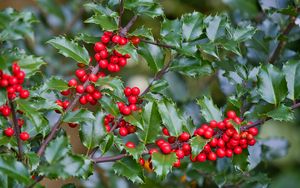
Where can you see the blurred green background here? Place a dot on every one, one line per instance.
(65, 17)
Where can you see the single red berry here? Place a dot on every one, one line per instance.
(135, 91)
(65, 104)
(201, 157)
(213, 123)
(127, 91)
(221, 152)
(208, 134)
(159, 142)
(90, 89)
(89, 98)
(171, 139)
(21, 75)
(96, 95)
(229, 153)
(84, 78)
(123, 131)
(251, 142)
(72, 125)
(231, 114)
(221, 143)
(105, 39)
(122, 41)
(153, 150)
(80, 89)
(135, 40)
(212, 156)
(253, 131)
(93, 78)
(207, 148)
(72, 83)
(80, 73)
(165, 131)
(177, 164)
(4, 83)
(9, 132)
(132, 99)
(120, 105)
(24, 136)
(108, 33)
(103, 63)
(238, 150)
(103, 54)
(82, 100)
(111, 67)
(186, 148)
(180, 154)
(133, 107)
(166, 148)
(142, 161)
(66, 92)
(99, 46)
(126, 111)
(130, 145)
(131, 129)
(122, 62)
(213, 142)
(13, 80)
(24, 94)
(184, 137)
(114, 59)
(116, 39)
(6, 111)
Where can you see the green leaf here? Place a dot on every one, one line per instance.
(135, 119)
(170, 117)
(40, 103)
(55, 83)
(192, 26)
(57, 149)
(126, 49)
(214, 27)
(3, 97)
(91, 132)
(98, 8)
(171, 32)
(292, 75)
(30, 65)
(151, 123)
(51, 7)
(158, 86)
(272, 85)
(107, 23)
(241, 161)
(197, 144)
(33, 160)
(78, 116)
(70, 49)
(191, 67)
(106, 143)
(38, 120)
(136, 152)
(162, 163)
(144, 7)
(113, 83)
(143, 32)
(109, 106)
(129, 168)
(243, 33)
(209, 110)
(153, 55)
(84, 37)
(14, 169)
(282, 113)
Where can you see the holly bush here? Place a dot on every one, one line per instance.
(153, 135)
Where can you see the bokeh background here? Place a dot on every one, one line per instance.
(65, 17)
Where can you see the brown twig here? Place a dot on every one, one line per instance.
(274, 56)
(121, 14)
(56, 126)
(16, 129)
(124, 30)
(159, 44)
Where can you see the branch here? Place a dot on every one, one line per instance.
(262, 121)
(109, 158)
(282, 43)
(121, 14)
(158, 76)
(56, 126)
(124, 30)
(159, 44)
(16, 129)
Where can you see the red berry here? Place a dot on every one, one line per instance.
(116, 39)
(114, 59)
(93, 78)
(21, 75)
(90, 89)
(13, 80)
(66, 92)
(103, 54)
(9, 132)
(186, 148)
(99, 46)
(180, 154)
(153, 150)
(80, 73)
(122, 41)
(103, 63)
(82, 100)
(135, 40)
(213, 123)
(123, 131)
(221, 152)
(208, 134)
(184, 137)
(135, 91)
(213, 142)
(171, 139)
(212, 156)
(120, 105)
(97, 95)
(132, 99)
(165, 131)
(24, 94)
(72, 125)
(159, 142)
(126, 110)
(177, 164)
(122, 62)
(6, 111)
(231, 114)
(207, 148)
(105, 39)
(24, 136)
(229, 153)
(221, 143)
(130, 145)
(133, 107)
(142, 161)
(251, 142)
(201, 157)
(238, 150)
(165, 148)
(72, 83)
(20, 122)
(253, 131)
(4, 83)
(127, 91)
(80, 89)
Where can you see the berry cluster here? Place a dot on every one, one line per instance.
(124, 127)
(223, 140)
(114, 61)
(13, 83)
(132, 95)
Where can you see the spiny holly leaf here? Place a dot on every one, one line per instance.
(137, 151)
(151, 123)
(272, 85)
(162, 163)
(91, 132)
(214, 27)
(107, 142)
(136, 119)
(243, 33)
(241, 161)
(38, 120)
(57, 84)
(144, 7)
(57, 149)
(191, 67)
(170, 117)
(209, 110)
(33, 160)
(84, 37)
(153, 55)
(126, 49)
(192, 26)
(113, 83)
(197, 144)
(158, 86)
(70, 49)
(30, 65)
(282, 113)
(78, 116)
(292, 75)
(40, 103)
(3, 98)
(129, 168)
(171, 32)
(109, 106)
(14, 169)
(98, 8)
(107, 23)
(143, 32)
